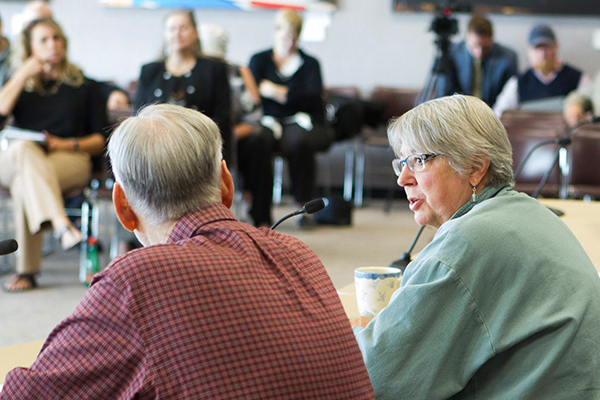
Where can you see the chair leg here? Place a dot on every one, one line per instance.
(277, 180)
(360, 175)
(389, 198)
(349, 173)
(5, 266)
(85, 230)
(115, 239)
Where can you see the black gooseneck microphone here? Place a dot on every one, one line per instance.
(405, 259)
(8, 246)
(309, 208)
(562, 142)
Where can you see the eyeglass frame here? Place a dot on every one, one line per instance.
(398, 164)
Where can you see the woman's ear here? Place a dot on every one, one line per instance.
(125, 214)
(227, 187)
(479, 172)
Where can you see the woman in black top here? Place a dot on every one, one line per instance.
(187, 79)
(291, 91)
(47, 93)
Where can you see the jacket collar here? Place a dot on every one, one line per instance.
(486, 193)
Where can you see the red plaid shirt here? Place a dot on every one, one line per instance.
(222, 311)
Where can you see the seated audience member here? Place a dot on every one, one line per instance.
(254, 141)
(579, 104)
(116, 98)
(482, 66)
(503, 303)
(186, 78)
(33, 10)
(47, 93)
(291, 91)
(36, 9)
(548, 76)
(4, 57)
(212, 307)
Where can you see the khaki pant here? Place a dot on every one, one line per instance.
(36, 181)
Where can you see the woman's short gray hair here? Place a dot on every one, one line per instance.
(167, 159)
(464, 129)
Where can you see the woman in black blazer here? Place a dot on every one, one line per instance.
(186, 78)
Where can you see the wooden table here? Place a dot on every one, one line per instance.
(582, 218)
(584, 221)
(20, 355)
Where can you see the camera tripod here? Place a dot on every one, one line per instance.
(444, 26)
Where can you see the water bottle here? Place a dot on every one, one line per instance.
(92, 263)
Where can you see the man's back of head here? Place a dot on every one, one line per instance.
(167, 159)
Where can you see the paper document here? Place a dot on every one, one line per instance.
(12, 133)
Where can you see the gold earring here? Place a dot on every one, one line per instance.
(474, 195)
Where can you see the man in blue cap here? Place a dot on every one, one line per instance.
(548, 76)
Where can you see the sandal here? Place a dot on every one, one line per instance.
(68, 236)
(28, 278)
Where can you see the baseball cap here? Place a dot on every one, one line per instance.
(541, 34)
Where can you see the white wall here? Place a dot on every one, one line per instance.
(366, 45)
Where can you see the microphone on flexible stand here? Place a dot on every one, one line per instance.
(309, 208)
(562, 142)
(8, 246)
(405, 259)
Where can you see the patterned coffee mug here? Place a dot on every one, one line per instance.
(374, 288)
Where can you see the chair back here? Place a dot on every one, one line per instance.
(397, 101)
(533, 119)
(523, 139)
(584, 162)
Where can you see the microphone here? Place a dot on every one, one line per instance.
(8, 246)
(309, 208)
(405, 259)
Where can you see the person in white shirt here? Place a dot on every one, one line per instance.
(548, 76)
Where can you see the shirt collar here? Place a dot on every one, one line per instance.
(486, 193)
(191, 223)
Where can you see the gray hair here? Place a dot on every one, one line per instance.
(167, 159)
(464, 129)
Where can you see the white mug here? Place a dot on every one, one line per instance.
(374, 288)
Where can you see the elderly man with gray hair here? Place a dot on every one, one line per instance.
(211, 308)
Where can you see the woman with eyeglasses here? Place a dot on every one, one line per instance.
(504, 302)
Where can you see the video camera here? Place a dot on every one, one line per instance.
(444, 24)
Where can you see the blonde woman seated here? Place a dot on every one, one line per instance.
(47, 93)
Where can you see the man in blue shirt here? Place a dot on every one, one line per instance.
(482, 66)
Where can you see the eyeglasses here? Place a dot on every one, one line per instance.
(415, 162)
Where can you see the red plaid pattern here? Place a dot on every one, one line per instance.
(222, 311)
